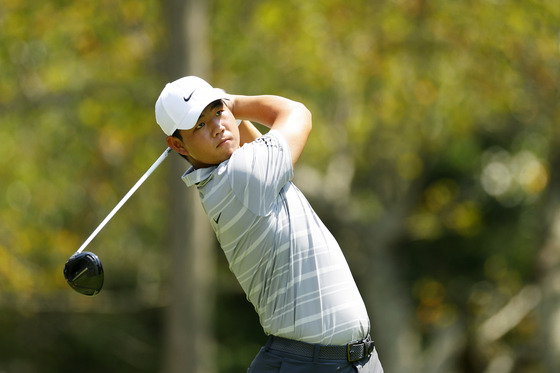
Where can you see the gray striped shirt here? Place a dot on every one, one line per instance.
(287, 262)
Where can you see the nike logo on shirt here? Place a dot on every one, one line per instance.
(218, 218)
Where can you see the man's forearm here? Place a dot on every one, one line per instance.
(266, 109)
(289, 117)
(248, 132)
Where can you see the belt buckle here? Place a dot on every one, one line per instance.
(365, 348)
(350, 352)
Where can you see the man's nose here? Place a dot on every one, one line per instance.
(217, 127)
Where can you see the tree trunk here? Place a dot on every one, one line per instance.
(188, 344)
(549, 275)
(387, 299)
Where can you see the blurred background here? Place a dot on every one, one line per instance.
(433, 160)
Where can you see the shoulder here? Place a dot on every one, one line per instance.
(272, 138)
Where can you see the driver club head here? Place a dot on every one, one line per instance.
(84, 273)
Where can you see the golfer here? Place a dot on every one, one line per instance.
(287, 262)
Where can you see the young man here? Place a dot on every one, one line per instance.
(287, 262)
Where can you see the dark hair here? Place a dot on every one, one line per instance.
(177, 134)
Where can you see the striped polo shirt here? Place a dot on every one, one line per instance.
(287, 262)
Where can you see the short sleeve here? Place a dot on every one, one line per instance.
(259, 170)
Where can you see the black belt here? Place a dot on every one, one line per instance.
(351, 352)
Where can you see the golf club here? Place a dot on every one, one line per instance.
(83, 270)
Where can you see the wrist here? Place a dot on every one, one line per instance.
(229, 101)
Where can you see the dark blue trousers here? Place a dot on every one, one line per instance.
(273, 361)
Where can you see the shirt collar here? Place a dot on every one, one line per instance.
(194, 176)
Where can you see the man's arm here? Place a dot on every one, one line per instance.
(290, 118)
(248, 132)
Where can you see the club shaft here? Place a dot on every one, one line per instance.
(124, 199)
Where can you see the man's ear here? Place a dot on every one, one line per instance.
(177, 145)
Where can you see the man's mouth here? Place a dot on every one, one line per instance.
(222, 142)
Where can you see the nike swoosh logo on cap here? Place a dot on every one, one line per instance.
(188, 98)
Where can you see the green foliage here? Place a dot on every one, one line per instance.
(443, 111)
(77, 89)
(75, 97)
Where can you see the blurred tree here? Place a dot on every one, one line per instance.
(433, 160)
(188, 318)
(76, 120)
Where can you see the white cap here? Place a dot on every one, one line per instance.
(181, 102)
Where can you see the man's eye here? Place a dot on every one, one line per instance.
(200, 125)
(219, 112)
